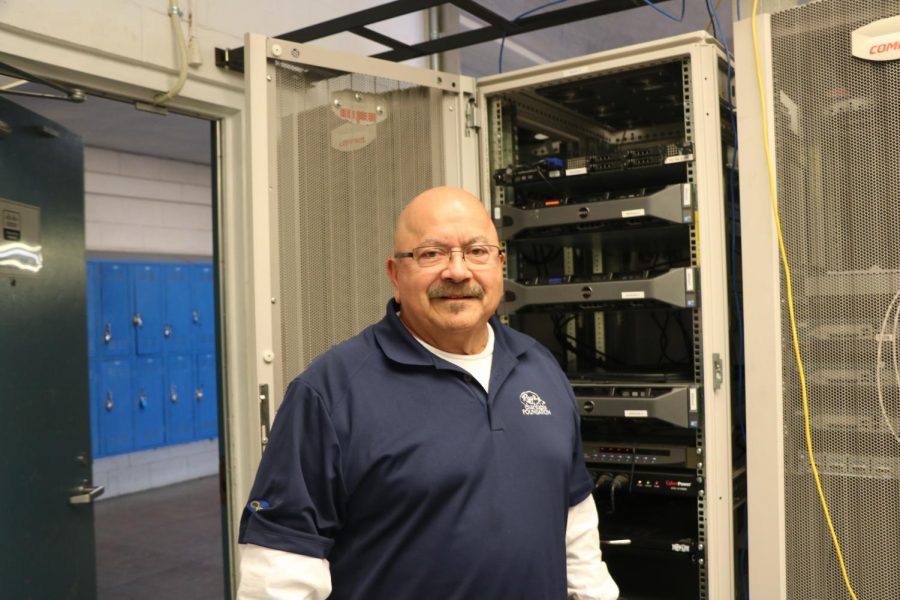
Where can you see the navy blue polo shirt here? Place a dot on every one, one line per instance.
(414, 483)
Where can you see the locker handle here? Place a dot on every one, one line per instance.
(136, 320)
(195, 315)
(167, 330)
(107, 333)
(173, 393)
(109, 401)
(142, 399)
(198, 393)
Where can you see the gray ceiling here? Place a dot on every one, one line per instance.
(117, 125)
(114, 125)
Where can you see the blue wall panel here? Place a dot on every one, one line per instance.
(148, 308)
(149, 405)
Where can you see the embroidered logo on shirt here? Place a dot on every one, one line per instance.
(532, 404)
(257, 505)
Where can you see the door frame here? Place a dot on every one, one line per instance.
(219, 97)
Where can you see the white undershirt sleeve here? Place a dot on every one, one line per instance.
(586, 573)
(268, 574)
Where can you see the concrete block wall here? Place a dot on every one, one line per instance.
(129, 473)
(147, 206)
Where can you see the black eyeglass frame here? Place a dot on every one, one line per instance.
(450, 251)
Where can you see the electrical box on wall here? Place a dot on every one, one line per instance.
(607, 178)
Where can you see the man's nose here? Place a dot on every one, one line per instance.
(457, 267)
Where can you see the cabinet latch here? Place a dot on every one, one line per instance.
(718, 373)
(472, 123)
(264, 414)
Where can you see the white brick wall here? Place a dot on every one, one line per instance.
(146, 205)
(129, 473)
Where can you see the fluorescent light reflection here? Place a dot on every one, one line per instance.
(21, 256)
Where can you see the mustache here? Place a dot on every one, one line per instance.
(443, 290)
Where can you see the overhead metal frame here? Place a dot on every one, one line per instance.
(497, 27)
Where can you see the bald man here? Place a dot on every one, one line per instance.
(436, 455)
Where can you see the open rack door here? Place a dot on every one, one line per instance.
(338, 144)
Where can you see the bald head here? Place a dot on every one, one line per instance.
(437, 206)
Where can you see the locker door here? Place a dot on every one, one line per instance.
(94, 405)
(179, 393)
(114, 411)
(148, 398)
(202, 301)
(113, 336)
(93, 306)
(177, 324)
(205, 405)
(148, 314)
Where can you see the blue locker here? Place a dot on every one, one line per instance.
(149, 403)
(148, 308)
(202, 314)
(178, 324)
(93, 307)
(94, 405)
(179, 403)
(114, 409)
(206, 407)
(113, 332)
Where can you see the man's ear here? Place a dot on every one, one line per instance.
(392, 271)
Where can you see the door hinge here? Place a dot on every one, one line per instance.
(472, 123)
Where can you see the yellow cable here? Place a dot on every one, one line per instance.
(790, 298)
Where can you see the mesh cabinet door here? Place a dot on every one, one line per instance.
(339, 144)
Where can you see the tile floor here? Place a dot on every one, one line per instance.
(161, 544)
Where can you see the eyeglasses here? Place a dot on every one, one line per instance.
(476, 255)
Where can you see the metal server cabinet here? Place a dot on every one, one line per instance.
(339, 143)
(832, 122)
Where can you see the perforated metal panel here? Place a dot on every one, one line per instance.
(837, 126)
(351, 151)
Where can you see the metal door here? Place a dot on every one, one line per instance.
(342, 144)
(45, 444)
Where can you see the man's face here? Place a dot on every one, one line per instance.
(446, 305)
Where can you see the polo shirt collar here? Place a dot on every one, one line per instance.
(399, 345)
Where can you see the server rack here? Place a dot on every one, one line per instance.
(829, 438)
(625, 278)
(607, 181)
